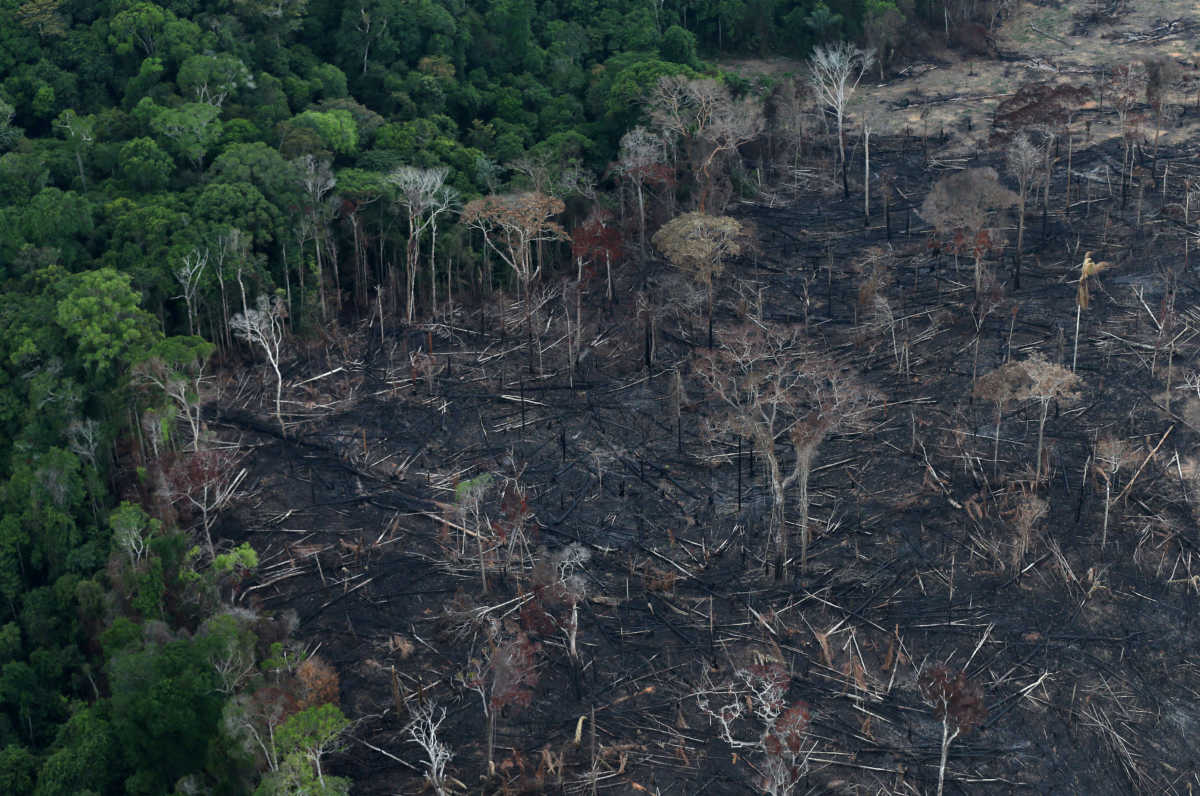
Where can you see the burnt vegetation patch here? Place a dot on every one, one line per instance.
(902, 507)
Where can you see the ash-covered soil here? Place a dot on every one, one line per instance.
(933, 541)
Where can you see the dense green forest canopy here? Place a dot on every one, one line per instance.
(162, 165)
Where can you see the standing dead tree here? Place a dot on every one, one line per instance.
(772, 386)
(757, 696)
(511, 224)
(176, 367)
(1128, 83)
(422, 730)
(317, 180)
(957, 702)
(205, 482)
(1111, 454)
(710, 124)
(1001, 386)
(263, 327)
(596, 240)
(1023, 159)
(1047, 382)
(642, 160)
(961, 206)
(699, 245)
(424, 195)
(1046, 110)
(835, 71)
(188, 274)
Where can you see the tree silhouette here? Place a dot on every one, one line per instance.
(835, 71)
(772, 386)
(699, 245)
(511, 224)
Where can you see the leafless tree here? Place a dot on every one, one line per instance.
(1023, 159)
(511, 224)
(317, 180)
(424, 195)
(772, 385)
(181, 382)
(835, 71)
(961, 205)
(1047, 382)
(703, 115)
(1112, 453)
(188, 275)
(1128, 83)
(547, 173)
(422, 730)
(699, 245)
(1001, 386)
(643, 154)
(371, 30)
(207, 481)
(757, 695)
(870, 122)
(263, 327)
(957, 702)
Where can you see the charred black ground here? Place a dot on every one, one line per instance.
(1085, 655)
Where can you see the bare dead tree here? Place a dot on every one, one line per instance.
(1001, 386)
(957, 702)
(961, 205)
(545, 172)
(643, 156)
(704, 117)
(511, 224)
(177, 369)
(263, 327)
(317, 180)
(835, 71)
(699, 245)
(424, 195)
(206, 481)
(1047, 382)
(757, 696)
(1128, 83)
(422, 729)
(1023, 159)
(772, 385)
(188, 275)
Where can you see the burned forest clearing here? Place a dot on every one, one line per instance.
(890, 494)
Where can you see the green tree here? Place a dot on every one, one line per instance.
(336, 129)
(212, 78)
(189, 130)
(99, 311)
(165, 707)
(144, 166)
(85, 756)
(18, 770)
(310, 735)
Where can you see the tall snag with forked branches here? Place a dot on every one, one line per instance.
(424, 195)
(835, 71)
(263, 327)
(642, 160)
(511, 224)
(707, 121)
(960, 207)
(772, 385)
